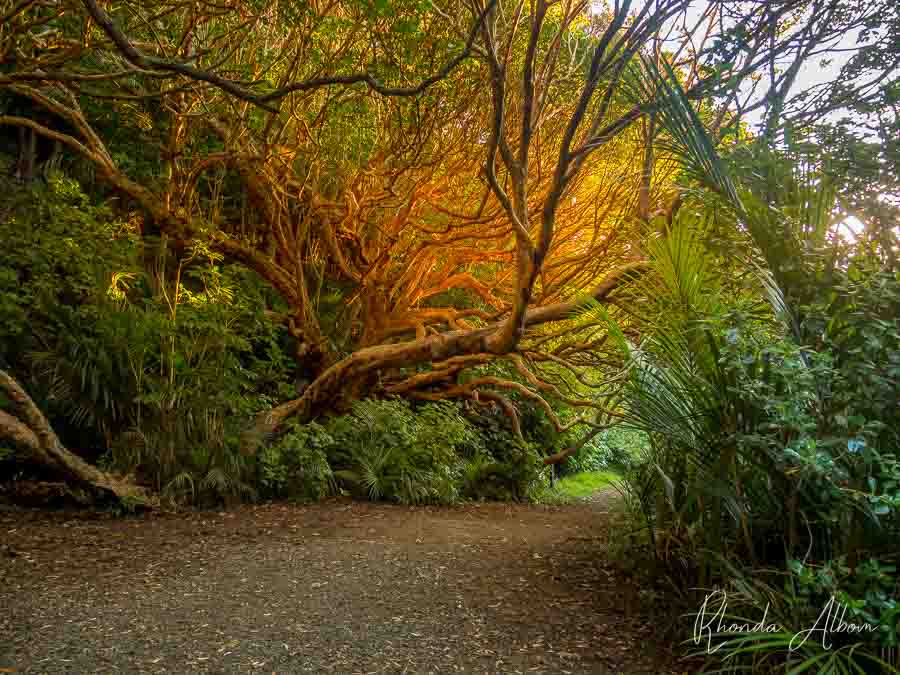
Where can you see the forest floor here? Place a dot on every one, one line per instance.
(335, 587)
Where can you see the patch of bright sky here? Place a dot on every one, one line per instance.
(816, 71)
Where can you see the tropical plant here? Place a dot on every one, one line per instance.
(802, 621)
(770, 425)
(386, 450)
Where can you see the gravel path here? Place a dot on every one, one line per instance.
(338, 587)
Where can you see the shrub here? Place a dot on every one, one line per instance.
(514, 478)
(386, 450)
(773, 439)
(296, 467)
(155, 368)
(498, 465)
(801, 608)
(59, 250)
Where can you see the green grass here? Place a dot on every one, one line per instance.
(577, 487)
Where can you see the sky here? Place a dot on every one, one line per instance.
(813, 72)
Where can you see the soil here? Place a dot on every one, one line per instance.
(336, 587)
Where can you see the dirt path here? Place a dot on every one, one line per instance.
(337, 587)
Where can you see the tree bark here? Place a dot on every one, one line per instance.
(434, 348)
(30, 430)
(27, 159)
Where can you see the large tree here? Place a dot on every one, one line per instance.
(467, 177)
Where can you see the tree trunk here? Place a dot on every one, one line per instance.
(434, 348)
(27, 155)
(29, 429)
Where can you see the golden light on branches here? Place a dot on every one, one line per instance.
(462, 177)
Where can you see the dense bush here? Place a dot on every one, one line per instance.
(773, 446)
(147, 361)
(433, 453)
(59, 252)
(297, 467)
(803, 609)
(385, 450)
(769, 396)
(390, 450)
(497, 464)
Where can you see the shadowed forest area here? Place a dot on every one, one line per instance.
(418, 336)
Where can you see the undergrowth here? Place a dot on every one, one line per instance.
(576, 488)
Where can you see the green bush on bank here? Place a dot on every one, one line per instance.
(388, 450)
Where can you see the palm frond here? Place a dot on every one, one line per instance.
(687, 139)
(182, 483)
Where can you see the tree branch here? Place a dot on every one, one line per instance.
(140, 60)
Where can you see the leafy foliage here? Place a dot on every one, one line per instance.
(797, 638)
(153, 368)
(296, 467)
(749, 352)
(576, 487)
(773, 432)
(388, 451)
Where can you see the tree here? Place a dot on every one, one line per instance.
(28, 428)
(418, 232)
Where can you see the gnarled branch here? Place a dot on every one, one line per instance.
(134, 56)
